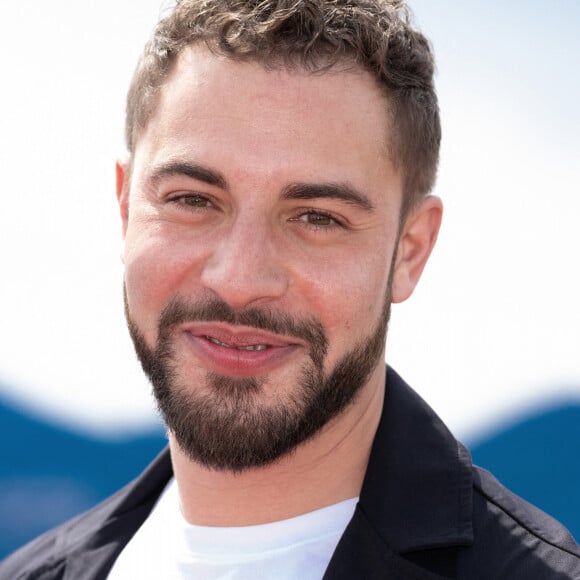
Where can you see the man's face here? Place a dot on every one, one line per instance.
(261, 220)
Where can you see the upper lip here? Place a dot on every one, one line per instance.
(238, 335)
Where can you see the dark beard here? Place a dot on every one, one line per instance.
(228, 429)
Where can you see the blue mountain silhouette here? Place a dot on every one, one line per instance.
(49, 473)
(538, 457)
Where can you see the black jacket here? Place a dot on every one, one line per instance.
(424, 513)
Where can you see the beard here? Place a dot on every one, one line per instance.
(224, 425)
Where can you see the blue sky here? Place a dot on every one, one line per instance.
(495, 324)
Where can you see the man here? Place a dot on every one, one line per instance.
(275, 202)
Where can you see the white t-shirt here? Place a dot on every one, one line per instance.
(167, 547)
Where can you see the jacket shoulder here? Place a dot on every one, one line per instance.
(516, 540)
(45, 557)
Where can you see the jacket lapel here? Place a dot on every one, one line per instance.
(416, 497)
(364, 555)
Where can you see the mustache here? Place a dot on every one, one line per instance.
(179, 311)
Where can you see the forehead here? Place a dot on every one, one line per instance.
(211, 105)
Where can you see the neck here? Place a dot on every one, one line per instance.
(327, 469)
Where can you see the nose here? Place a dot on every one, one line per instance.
(245, 267)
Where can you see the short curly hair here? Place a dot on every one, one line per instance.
(375, 35)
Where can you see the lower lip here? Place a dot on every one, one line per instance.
(236, 362)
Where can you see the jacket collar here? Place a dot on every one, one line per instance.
(417, 491)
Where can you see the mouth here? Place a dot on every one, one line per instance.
(239, 351)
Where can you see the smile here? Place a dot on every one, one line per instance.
(253, 347)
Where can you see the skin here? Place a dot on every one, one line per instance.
(245, 239)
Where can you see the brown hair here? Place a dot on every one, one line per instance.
(313, 34)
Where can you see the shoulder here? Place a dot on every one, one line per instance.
(515, 540)
(45, 557)
(448, 516)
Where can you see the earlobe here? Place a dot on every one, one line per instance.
(122, 185)
(418, 237)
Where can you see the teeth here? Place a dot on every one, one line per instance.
(218, 342)
(251, 347)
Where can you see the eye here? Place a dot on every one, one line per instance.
(318, 219)
(195, 200)
(192, 200)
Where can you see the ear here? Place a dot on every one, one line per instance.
(122, 179)
(418, 236)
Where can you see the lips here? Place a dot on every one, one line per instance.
(238, 351)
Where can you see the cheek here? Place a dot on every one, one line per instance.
(157, 267)
(349, 296)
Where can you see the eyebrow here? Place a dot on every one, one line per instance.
(340, 191)
(193, 170)
(296, 191)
